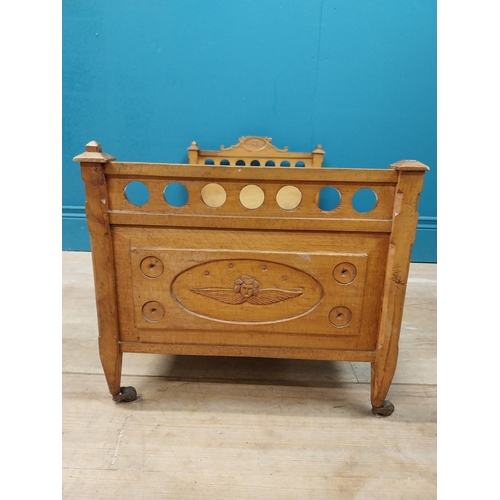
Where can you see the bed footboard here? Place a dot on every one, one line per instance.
(249, 261)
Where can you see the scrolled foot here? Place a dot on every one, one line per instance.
(125, 395)
(385, 410)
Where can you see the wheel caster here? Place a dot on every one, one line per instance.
(125, 395)
(385, 410)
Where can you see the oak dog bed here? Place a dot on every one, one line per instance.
(227, 256)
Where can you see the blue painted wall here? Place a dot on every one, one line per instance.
(147, 78)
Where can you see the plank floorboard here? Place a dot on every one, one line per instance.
(243, 428)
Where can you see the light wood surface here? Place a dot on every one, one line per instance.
(255, 151)
(261, 270)
(96, 210)
(246, 428)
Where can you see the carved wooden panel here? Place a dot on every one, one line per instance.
(223, 290)
(246, 291)
(338, 306)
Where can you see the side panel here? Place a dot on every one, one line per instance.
(249, 288)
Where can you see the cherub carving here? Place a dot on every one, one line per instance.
(247, 289)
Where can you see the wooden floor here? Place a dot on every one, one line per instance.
(238, 428)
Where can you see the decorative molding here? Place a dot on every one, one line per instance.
(78, 212)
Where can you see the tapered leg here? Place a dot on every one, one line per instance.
(405, 219)
(382, 374)
(111, 360)
(96, 208)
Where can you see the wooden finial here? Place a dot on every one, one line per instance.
(318, 154)
(193, 152)
(93, 147)
(409, 165)
(93, 154)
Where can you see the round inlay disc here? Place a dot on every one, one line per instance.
(289, 197)
(153, 311)
(345, 273)
(340, 316)
(252, 196)
(152, 267)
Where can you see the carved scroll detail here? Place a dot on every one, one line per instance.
(247, 289)
(254, 143)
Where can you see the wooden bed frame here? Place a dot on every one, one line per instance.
(244, 262)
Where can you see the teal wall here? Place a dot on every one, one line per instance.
(146, 78)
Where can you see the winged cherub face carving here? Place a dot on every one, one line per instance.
(247, 286)
(247, 289)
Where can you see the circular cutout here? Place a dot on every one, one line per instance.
(252, 197)
(240, 163)
(152, 267)
(209, 161)
(224, 162)
(285, 163)
(289, 197)
(300, 164)
(340, 316)
(255, 163)
(345, 273)
(270, 163)
(176, 194)
(213, 195)
(328, 198)
(153, 311)
(364, 200)
(137, 193)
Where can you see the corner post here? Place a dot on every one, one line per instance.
(318, 155)
(92, 164)
(193, 152)
(405, 219)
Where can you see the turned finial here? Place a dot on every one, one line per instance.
(93, 147)
(193, 152)
(318, 154)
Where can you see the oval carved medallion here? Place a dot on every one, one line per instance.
(246, 291)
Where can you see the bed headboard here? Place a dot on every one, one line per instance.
(256, 152)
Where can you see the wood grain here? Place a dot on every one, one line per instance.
(199, 440)
(249, 264)
(255, 151)
(398, 265)
(246, 427)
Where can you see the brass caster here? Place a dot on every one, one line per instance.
(125, 395)
(385, 410)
